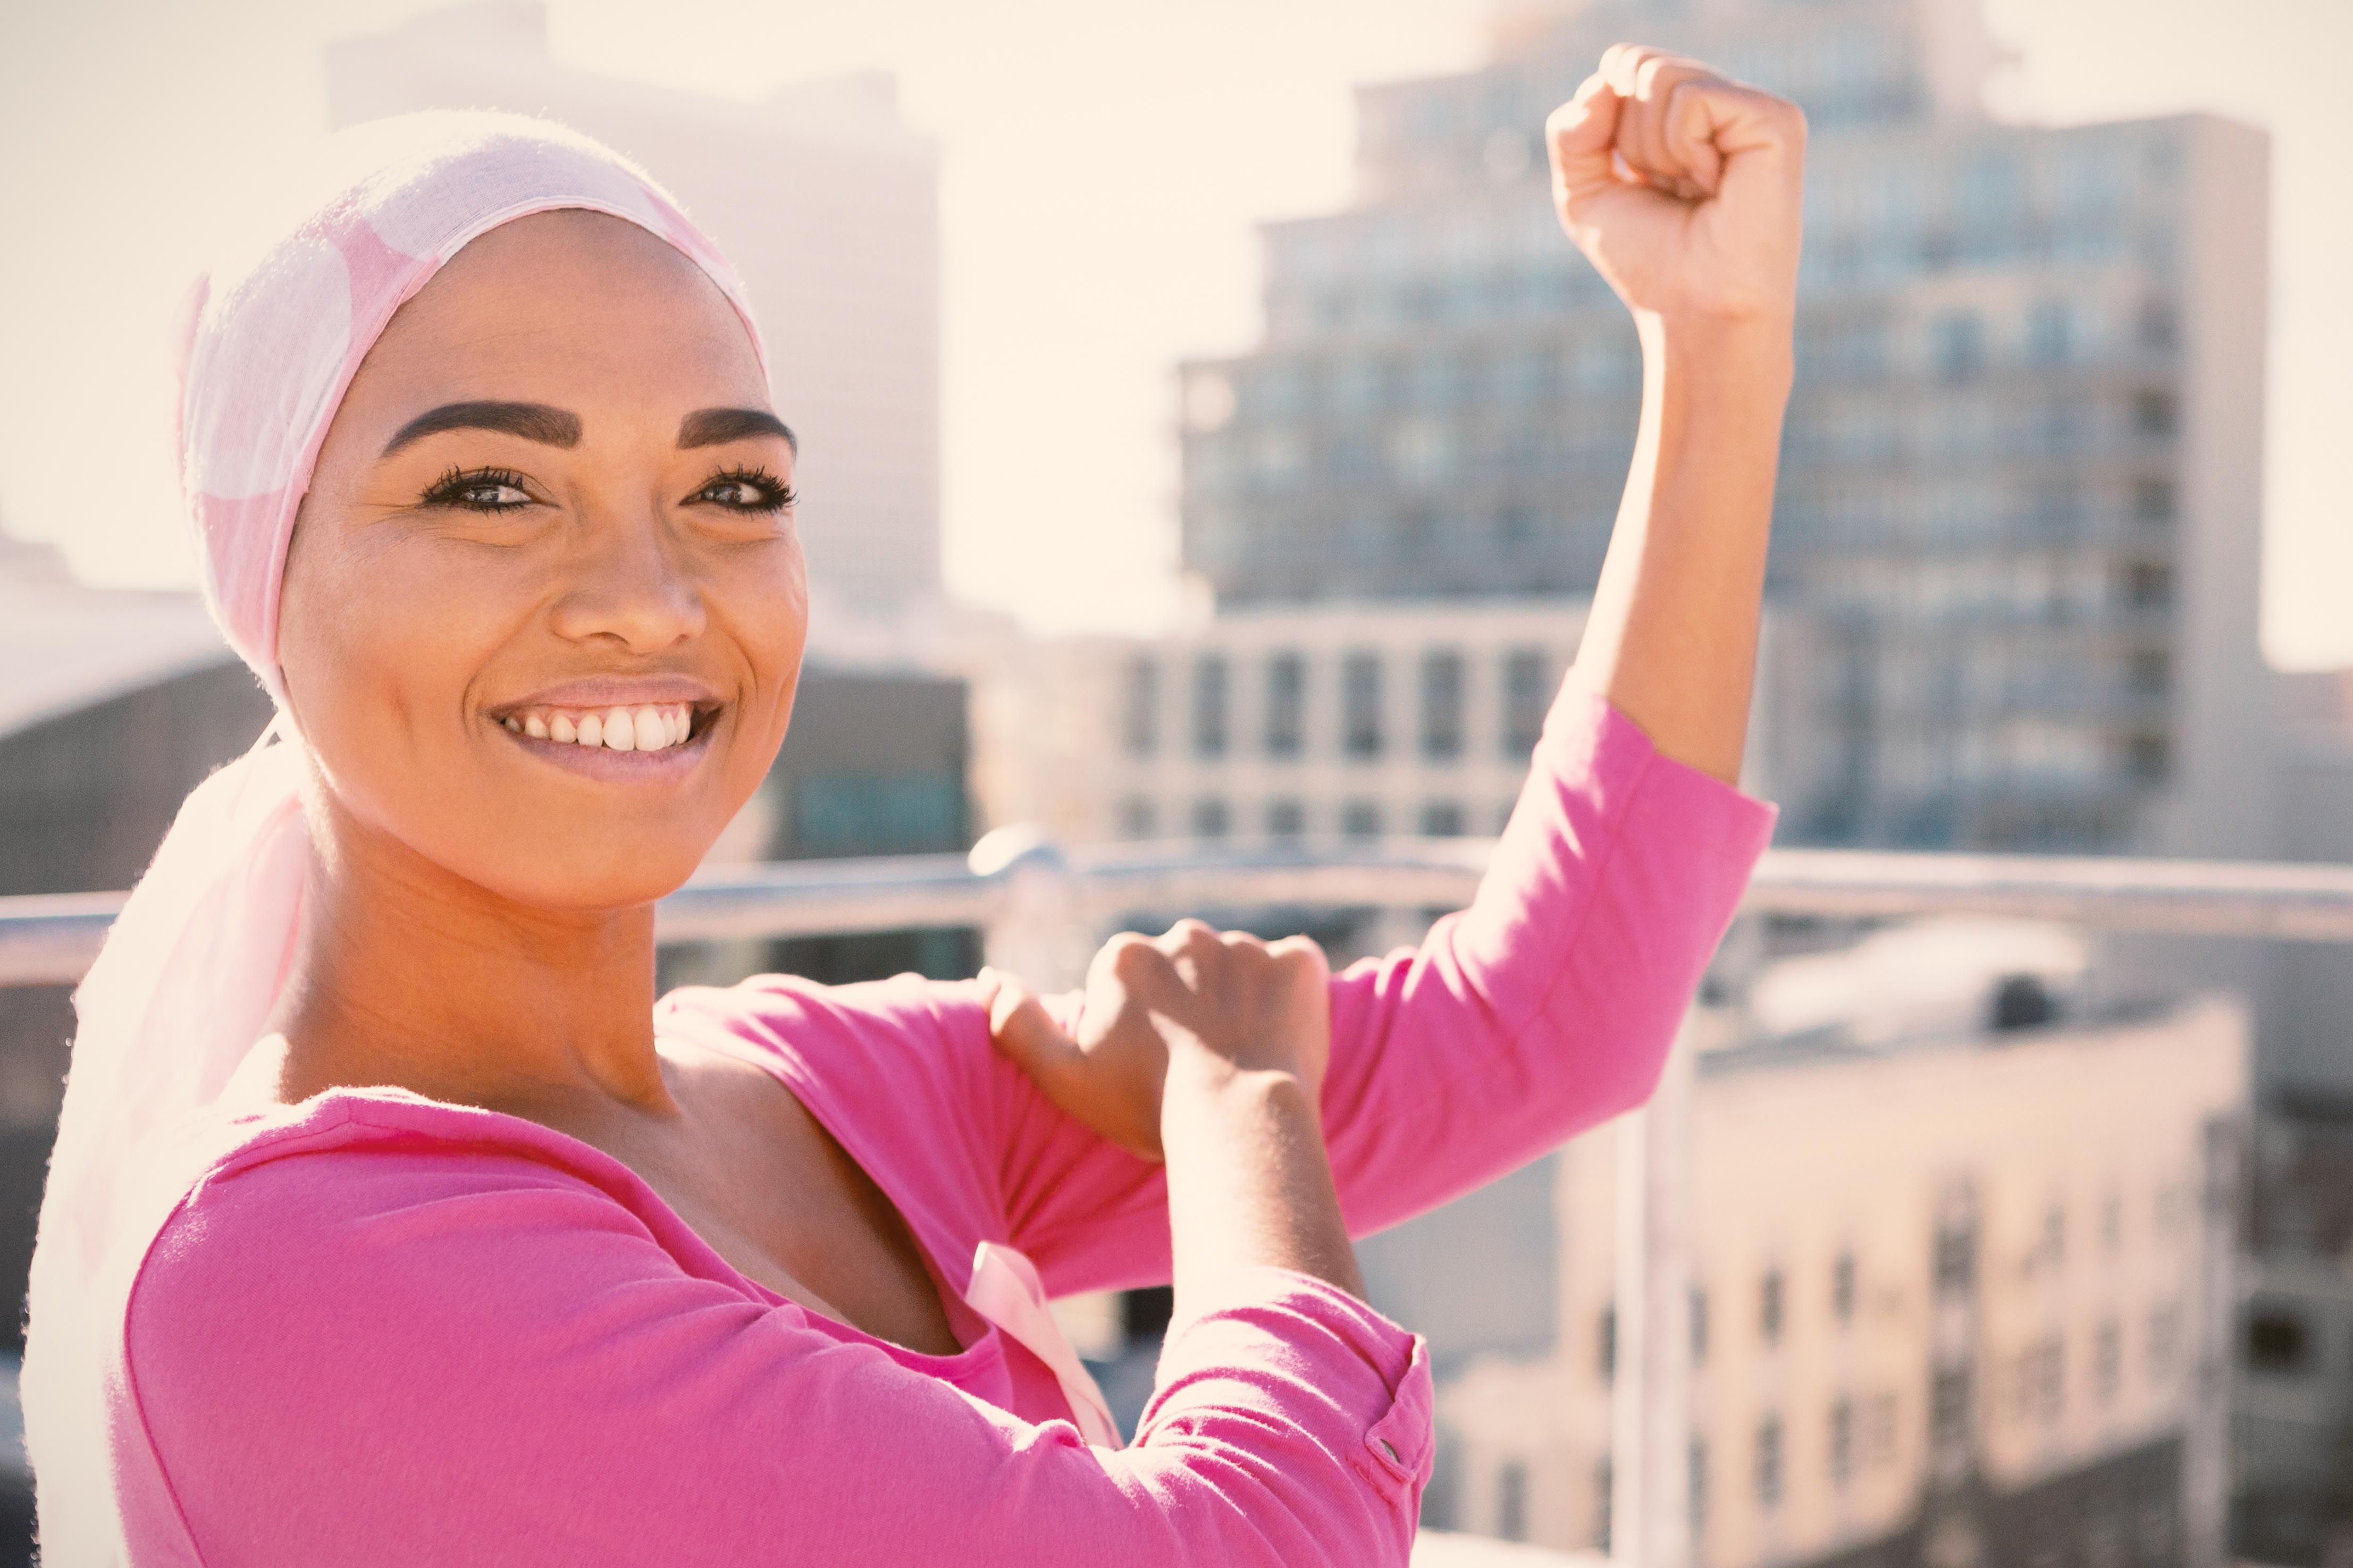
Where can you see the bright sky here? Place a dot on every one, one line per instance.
(1104, 162)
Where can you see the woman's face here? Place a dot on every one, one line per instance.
(550, 530)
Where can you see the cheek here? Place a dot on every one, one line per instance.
(765, 610)
(379, 648)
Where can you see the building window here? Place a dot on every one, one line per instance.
(1768, 1461)
(2149, 757)
(1360, 705)
(1137, 818)
(2107, 1361)
(1286, 819)
(2153, 413)
(1140, 706)
(2159, 328)
(1511, 1500)
(1605, 1343)
(1361, 819)
(1209, 705)
(2277, 1342)
(2150, 672)
(1525, 697)
(1769, 1306)
(1841, 1441)
(1698, 1326)
(2112, 1208)
(2055, 1235)
(1956, 1258)
(1604, 1498)
(1948, 1408)
(2153, 501)
(1211, 818)
(1286, 705)
(1442, 819)
(1957, 345)
(2149, 585)
(1441, 705)
(2048, 333)
(1843, 1288)
(1695, 1481)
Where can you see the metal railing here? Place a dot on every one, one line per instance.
(50, 939)
(1041, 908)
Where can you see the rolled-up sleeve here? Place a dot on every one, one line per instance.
(399, 1359)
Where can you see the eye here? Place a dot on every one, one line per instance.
(480, 490)
(746, 489)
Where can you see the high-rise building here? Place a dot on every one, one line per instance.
(2020, 485)
(824, 198)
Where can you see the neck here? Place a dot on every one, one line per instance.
(406, 974)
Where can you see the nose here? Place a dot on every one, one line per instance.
(630, 584)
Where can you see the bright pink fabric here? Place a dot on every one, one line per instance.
(386, 1330)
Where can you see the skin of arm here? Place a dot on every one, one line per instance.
(1221, 1081)
(1685, 191)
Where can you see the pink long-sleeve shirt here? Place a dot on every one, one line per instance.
(384, 1330)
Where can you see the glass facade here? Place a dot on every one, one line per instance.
(1976, 512)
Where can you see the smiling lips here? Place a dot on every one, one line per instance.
(649, 727)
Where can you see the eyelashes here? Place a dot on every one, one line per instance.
(470, 490)
(761, 490)
(736, 488)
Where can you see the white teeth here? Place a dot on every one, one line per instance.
(647, 727)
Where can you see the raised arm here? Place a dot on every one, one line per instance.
(1684, 190)
(1550, 1004)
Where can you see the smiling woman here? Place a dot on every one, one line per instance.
(393, 1219)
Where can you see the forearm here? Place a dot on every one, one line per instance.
(1672, 640)
(1249, 1185)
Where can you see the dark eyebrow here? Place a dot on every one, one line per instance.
(711, 427)
(531, 421)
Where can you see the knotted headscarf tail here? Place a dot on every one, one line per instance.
(190, 972)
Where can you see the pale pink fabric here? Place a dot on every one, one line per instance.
(383, 1331)
(190, 971)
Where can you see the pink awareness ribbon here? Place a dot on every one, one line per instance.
(1006, 1291)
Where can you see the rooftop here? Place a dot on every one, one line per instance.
(65, 644)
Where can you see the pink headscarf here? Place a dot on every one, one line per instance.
(191, 971)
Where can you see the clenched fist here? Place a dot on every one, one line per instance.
(1197, 999)
(1683, 187)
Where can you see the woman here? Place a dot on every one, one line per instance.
(480, 1253)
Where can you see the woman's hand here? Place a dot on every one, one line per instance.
(1194, 1001)
(1684, 189)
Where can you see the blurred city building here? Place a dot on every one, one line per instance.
(876, 763)
(1958, 1297)
(2020, 483)
(826, 201)
(1280, 723)
(2292, 1409)
(1308, 722)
